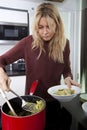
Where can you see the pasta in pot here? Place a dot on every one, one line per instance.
(38, 107)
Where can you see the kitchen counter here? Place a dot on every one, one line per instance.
(15, 73)
(79, 118)
(16, 69)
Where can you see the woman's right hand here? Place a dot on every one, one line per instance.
(4, 80)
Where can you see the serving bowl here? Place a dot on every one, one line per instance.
(64, 98)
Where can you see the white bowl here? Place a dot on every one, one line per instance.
(84, 107)
(63, 98)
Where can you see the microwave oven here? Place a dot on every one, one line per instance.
(13, 33)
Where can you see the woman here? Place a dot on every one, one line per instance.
(46, 54)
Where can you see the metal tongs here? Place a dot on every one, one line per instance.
(28, 106)
(8, 103)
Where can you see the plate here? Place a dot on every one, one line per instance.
(63, 98)
(83, 97)
(84, 107)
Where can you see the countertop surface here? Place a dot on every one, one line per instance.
(75, 108)
(16, 69)
(15, 73)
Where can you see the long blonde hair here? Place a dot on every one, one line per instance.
(58, 42)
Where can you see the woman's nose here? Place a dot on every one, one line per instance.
(45, 31)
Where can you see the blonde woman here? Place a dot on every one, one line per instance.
(46, 53)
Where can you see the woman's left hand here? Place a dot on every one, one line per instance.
(68, 81)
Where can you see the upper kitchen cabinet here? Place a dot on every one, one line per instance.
(14, 16)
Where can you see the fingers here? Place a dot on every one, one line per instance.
(4, 80)
(70, 82)
(6, 84)
(75, 83)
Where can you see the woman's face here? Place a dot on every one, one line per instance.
(43, 29)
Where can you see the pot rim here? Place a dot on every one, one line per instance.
(26, 115)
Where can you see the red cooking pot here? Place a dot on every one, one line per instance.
(25, 121)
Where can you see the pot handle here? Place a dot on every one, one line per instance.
(33, 87)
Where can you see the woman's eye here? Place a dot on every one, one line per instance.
(48, 27)
(40, 27)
